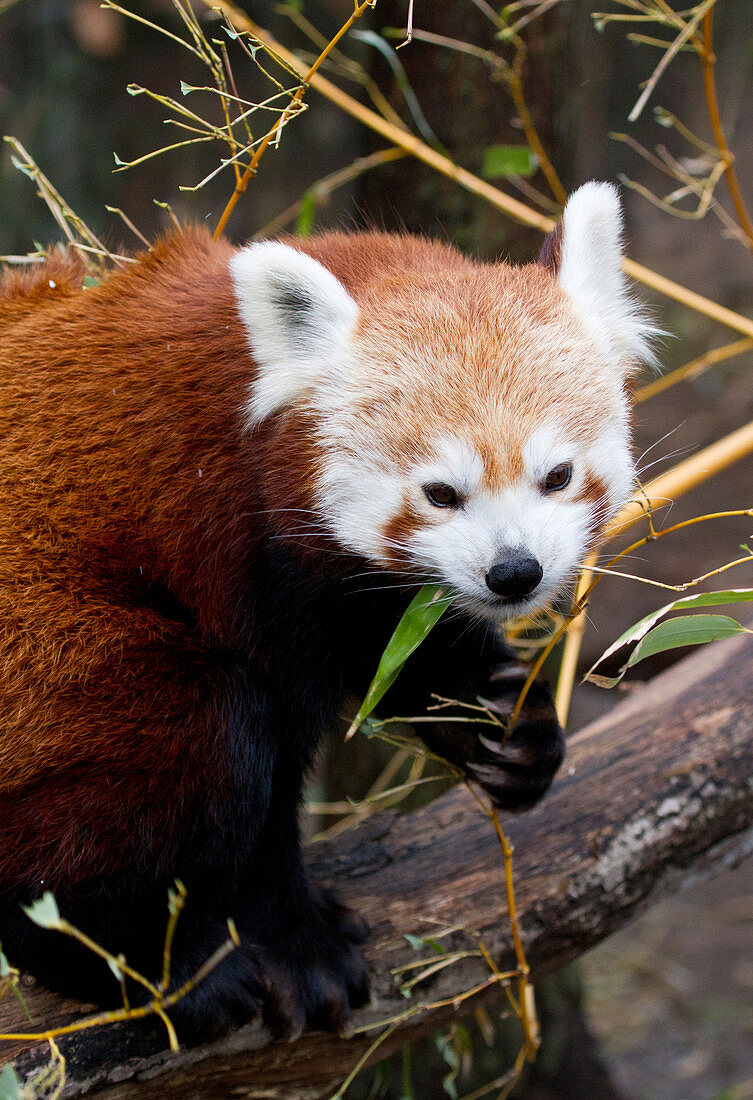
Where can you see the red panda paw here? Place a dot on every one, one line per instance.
(517, 767)
(301, 968)
(315, 974)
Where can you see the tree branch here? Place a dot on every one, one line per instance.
(654, 794)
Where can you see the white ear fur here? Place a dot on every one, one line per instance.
(589, 269)
(298, 318)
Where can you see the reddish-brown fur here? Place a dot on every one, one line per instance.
(100, 495)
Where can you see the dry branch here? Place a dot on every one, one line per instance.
(654, 794)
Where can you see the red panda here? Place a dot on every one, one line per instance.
(221, 470)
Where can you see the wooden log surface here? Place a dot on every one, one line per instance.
(657, 792)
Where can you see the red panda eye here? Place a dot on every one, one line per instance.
(441, 496)
(557, 478)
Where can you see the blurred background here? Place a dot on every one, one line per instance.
(664, 1009)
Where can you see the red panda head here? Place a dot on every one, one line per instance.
(471, 421)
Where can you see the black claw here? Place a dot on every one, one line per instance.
(516, 766)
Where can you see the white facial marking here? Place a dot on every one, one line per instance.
(609, 457)
(357, 495)
(361, 492)
(298, 319)
(546, 447)
(455, 463)
(516, 522)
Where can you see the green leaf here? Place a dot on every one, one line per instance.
(401, 79)
(508, 160)
(44, 911)
(423, 613)
(10, 1086)
(305, 220)
(4, 965)
(435, 945)
(642, 627)
(464, 1038)
(416, 942)
(89, 280)
(682, 631)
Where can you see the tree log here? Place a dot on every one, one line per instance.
(656, 793)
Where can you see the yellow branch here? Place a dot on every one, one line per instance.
(513, 207)
(708, 60)
(307, 73)
(571, 648)
(692, 369)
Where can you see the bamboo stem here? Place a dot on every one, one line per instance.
(572, 646)
(307, 74)
(688, 298)
(692, 369)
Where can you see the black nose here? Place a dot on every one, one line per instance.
(514, 577)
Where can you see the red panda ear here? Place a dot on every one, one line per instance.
(584, 253)
(298, 319)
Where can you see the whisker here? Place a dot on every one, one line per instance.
(658, 441)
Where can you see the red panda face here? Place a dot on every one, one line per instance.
(471, 424)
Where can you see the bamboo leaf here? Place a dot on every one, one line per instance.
(503, 161)
(423, 613)
(638, 631)
(10, 1086)
(44, 911)
(687, 630)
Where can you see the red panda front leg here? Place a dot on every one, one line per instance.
(515, 766)
(305, 940)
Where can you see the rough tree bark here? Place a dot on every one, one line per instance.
(654, 794)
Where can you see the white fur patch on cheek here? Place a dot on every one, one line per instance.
(610, 460)
(458, 551)
(562, 529)
(298, 319)
(357, 498)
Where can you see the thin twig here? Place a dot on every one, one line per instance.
(294, 104)
(708, 60)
